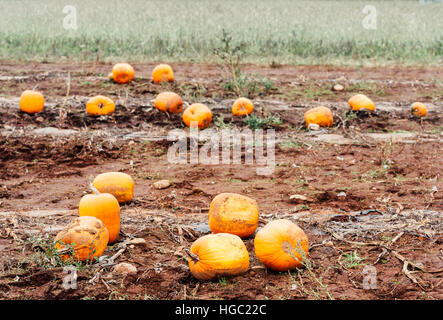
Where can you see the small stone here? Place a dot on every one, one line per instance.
(338, 87)
(40, 119)
(341, 195)
(313, 127)
(138, 241)
(162, 184)
(297, 198)
(124, 268)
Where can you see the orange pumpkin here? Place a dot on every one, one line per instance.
(119, 184)
(197, 115)
(281, 245)
(169, 102)
(418, 109)
(100, 105)
(220, 254)
(123, 73)
(360, 101)
(31, 101)
(319, 115)
(242, 106)
(87, 236)
(162, 73)
(105, 207)
(233, 213)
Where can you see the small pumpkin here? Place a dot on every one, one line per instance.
(31, 101)
(169, 102)
(242, 107)
(105, 207)
(418, 109)
(88, 237)
(360, 101)
(319, 115)
(197, 114)
(119, 184)
(123, 73)
(220, 254)
(281, 245)
(233, 213)
(99, 106)
(162, 73)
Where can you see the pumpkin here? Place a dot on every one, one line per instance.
(87, 236)
(418, 109)
(99, 106)
(233, 213)
(242, 106)
(197, 114)
(162, 73)
(119, 184)
(319, 115)
(169, 102)
(220, 254)
(360, 101)
(105, 207)
(31, 101)
(123, 73)
(281, 245)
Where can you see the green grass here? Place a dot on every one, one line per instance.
(269, 32)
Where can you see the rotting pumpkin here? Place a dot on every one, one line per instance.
(123, 73)
(103, 206)
(31, 101)
(119, 184)
(319, 115)
(281, 245)
(197, 115)
(86, 236)
(100, 106)
(162, 73)
(233, 213)
(220, 254)
(169, 102)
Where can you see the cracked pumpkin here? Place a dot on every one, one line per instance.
(216, 255)
(87, 236)
(281, 245)
(418, 109)
(233, 213)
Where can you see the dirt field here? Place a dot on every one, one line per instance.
(372, 183)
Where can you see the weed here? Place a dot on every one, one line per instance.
(255, 122)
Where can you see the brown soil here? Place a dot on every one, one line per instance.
(44, 177)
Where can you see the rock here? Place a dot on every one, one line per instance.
(338, 87)
(124, 268)
(298, 198)
(50, 131)
(162, 184)
(40, 119)
(313, 127)
(138, 241)
(341, 195)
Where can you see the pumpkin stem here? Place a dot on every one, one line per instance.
(192, 256)
(94, 189)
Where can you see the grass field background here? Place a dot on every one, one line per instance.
(280, 31)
